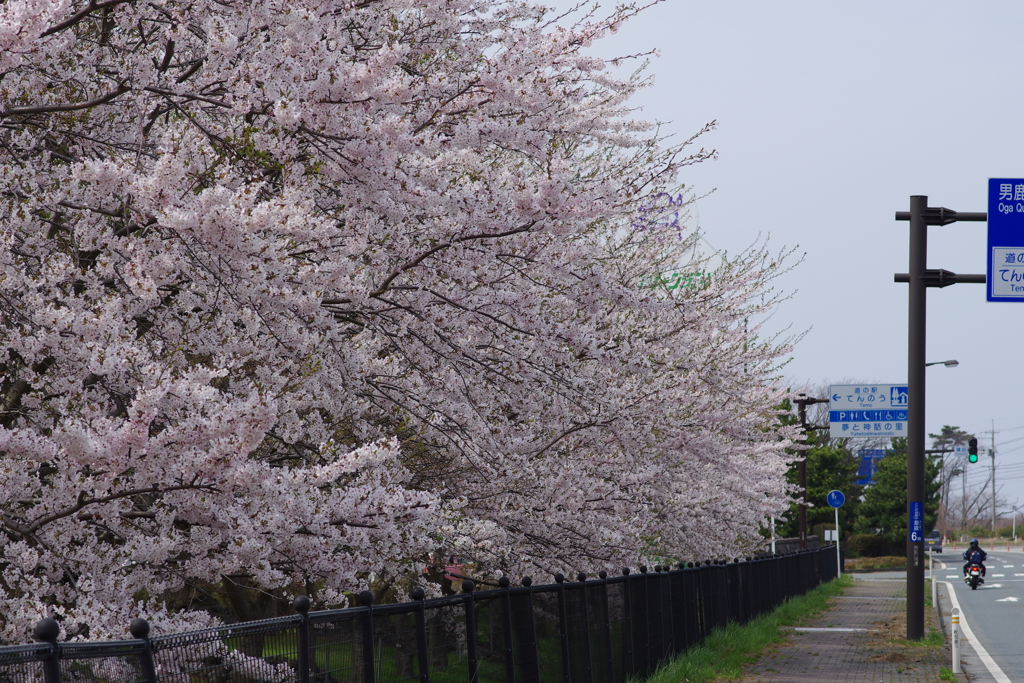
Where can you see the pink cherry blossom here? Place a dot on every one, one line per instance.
(308, 291)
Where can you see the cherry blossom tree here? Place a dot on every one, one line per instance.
(300, 292)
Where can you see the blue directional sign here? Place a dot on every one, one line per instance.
(868, 410)
(835, 499)
(1005, 239)
(869, 458)
(916, 529)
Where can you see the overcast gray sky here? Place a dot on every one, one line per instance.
(830, 117)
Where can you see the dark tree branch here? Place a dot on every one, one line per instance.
(42, 109)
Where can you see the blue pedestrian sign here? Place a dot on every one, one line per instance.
(835, 499)
(868, 410)
(1005, 276)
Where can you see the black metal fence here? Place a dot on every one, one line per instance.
(603, 630)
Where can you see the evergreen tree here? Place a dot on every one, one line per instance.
(884, 509)
(830, 466)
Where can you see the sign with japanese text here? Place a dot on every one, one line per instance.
(916, 527)
(1005, 276)
(868, 410)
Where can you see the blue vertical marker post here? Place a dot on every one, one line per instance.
(915, 530)
(1005, 253)
(835, 500)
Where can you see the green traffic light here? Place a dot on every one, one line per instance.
(973, 457)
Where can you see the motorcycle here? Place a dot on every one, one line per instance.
(973, 577)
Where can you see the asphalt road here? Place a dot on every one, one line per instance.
(994, 612)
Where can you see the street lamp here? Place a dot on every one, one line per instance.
(947, 363)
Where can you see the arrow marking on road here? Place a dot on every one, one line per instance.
(1009, 599)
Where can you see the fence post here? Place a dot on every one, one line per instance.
(627, 639)
(645, 621)
(528, 656)
(139, 628)
(422, 654)
(563, 628)
(47, 631)
(467, 588)
(301, 605)
(606, 606)
(510, 657)
(732, 571)
(589, 666)
(366, 599)
(668, 631)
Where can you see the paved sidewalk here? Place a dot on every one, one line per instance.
(851, 642)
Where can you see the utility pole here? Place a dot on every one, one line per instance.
(944, 485)
(919, 279)
(992, 454)
(802, 402)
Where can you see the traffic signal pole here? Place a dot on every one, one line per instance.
(915, 417)
(919, 279)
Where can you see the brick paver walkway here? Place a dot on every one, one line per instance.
(861, 656)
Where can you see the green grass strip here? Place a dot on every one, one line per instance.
(724, 653)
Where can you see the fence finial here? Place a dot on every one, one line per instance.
(366, 598)
(559, 578)
(602, 574)
(643, 569)
(625, 571)
(47, 630)
(468, 585)
(581, 577)
(527, 581)
(503, 582)
(302, 604)
(418, 593)
(139, 628)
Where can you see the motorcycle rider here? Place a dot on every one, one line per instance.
(975, 555)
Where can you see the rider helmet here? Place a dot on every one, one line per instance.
(974, 542)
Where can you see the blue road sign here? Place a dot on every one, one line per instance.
(916, 522)
(869, 458)
(1005, 239)
(868, 410)
(835, 499)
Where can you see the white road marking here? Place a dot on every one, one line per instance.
(997, 576)
(1009, 599)
(1007, 566)
(983, 654)
(837, 629)
(953, 576)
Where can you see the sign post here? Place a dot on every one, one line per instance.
(1005, 239)
(835, 500)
